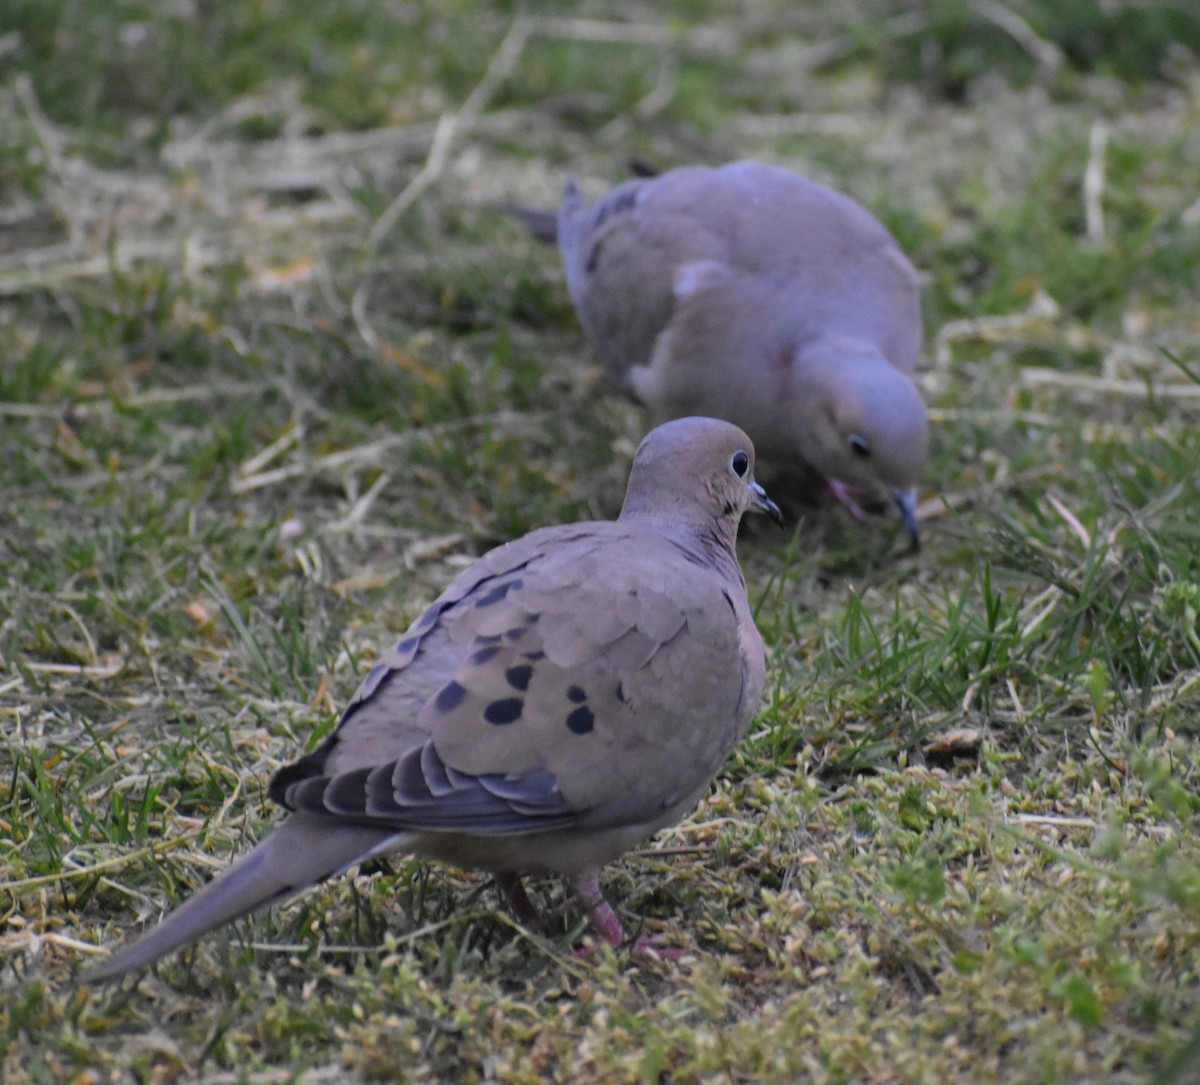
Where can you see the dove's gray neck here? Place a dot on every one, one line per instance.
(709, 540)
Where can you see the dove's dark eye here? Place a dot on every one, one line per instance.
(740, 464)
(859, 447)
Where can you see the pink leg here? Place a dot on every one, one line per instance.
(523, 908)
(587, 893)
(841, 493)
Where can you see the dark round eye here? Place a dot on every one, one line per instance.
(859, 447)
(740, 464)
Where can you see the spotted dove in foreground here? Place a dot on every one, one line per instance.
(566, 696)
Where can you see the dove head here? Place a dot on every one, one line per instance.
(695, 477)
(869, 427)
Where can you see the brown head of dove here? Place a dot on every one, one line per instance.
(753, 294)
(566, 696)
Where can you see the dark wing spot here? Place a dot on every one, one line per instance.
(483, 655)
(728, 510)
(491, 638)
(581, 721)
(505, 711)
(576, 695)
(449, 697)
(533, 657)
(498, 592)
(429, 617)
(518, 676)
(621, 694)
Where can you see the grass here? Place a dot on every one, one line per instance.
(243, 447)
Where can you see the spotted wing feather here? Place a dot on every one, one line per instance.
(534, 696)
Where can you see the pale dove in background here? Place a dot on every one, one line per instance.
(752, 294)
(566, 696)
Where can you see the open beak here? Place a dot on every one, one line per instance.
(762, 503)
(906, 503)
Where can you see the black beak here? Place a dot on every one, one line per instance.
(906, 502)
(762, 503)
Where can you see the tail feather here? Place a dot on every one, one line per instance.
(543, 225)
(303, 851)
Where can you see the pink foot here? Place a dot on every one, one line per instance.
(604, 919)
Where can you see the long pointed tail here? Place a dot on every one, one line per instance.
(303, 851)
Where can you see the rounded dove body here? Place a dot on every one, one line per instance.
(566, 696)
(752, 294)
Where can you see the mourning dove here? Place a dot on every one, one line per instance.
(752, 294)
(566, 696)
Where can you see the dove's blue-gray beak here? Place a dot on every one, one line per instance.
(906, 502)
(762, 503)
